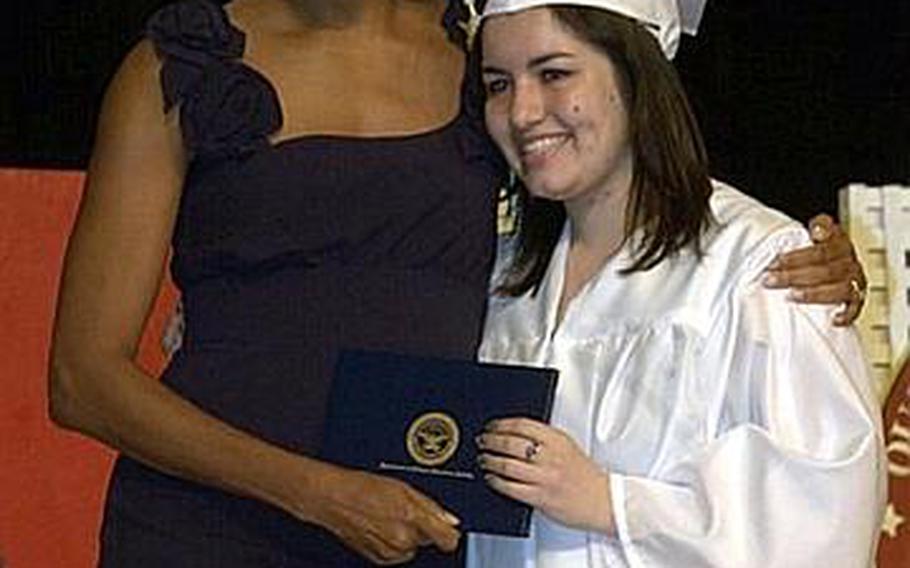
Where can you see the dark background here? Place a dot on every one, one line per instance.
(795, 98)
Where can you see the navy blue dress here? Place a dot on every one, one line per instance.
(285, 254)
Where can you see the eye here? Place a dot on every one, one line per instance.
(552, 75)
(495, 85)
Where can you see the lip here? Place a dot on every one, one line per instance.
(534, 151)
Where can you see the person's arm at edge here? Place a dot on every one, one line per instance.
(112, 272)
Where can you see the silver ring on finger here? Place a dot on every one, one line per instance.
(532, 450)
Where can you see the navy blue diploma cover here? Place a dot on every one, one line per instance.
(415, 418)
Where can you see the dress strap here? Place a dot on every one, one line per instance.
(189, 36)
(226, 107)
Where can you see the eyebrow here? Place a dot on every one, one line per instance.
(535, 62)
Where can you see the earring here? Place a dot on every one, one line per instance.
(472, 24)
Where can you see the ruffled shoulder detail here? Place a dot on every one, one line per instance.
(189, 36)
(231, 112)
(227, 108)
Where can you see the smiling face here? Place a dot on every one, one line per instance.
(555, 108)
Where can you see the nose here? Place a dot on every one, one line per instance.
(527, 105)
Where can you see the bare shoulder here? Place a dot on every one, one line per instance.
(136, 84)
(133, 125)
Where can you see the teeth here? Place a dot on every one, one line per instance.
(542, 145)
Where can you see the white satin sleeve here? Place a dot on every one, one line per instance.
(793, 475)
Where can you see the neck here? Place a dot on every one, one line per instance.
(335, 13)
(381, 15)
(598, 221)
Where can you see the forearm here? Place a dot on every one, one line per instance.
(116, 403)
(796, 447)
(745, 501)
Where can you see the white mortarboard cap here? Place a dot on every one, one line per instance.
(666, 19)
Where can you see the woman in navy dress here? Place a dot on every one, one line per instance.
(320, 172)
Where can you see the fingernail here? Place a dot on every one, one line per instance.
(775, 264)
(819, 232)
(771, 280)
(450, 518)
(478, 440)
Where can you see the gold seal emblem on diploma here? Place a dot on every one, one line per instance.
(432, 438)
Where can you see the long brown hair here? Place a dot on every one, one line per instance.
(670, 184)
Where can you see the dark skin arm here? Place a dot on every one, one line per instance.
(113, 269)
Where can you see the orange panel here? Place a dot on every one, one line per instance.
(51, 482)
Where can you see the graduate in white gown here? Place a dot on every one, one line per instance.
(701, 419)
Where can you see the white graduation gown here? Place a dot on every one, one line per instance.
(739, 429)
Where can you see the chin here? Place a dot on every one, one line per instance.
(551, 191)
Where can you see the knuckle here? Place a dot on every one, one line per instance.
(400, 540)
(843, 268)
(817, 254)
(381, 554)
(821, 219)
(407, 514)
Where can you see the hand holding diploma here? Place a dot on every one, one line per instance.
(542, 466)
(384, 519)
